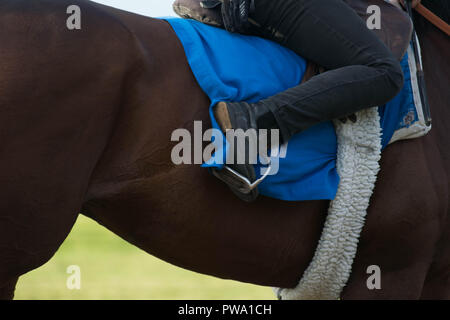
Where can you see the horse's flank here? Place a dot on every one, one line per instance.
(86, 120)
(181, 214)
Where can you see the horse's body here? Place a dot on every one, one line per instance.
(86, 118)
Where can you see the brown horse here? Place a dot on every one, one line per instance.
(85, 123)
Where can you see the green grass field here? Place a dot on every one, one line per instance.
(113, 269)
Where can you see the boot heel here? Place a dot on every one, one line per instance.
(222, 116)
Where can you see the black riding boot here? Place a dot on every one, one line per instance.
(248, 117)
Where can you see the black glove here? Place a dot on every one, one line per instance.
(235, 14)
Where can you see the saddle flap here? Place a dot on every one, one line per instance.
(396, 26)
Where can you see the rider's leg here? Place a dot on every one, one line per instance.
(362, 71)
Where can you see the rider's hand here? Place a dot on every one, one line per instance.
(235, 14)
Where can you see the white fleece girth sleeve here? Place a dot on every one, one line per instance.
(358, 155)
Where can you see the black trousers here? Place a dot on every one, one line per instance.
(362, 72)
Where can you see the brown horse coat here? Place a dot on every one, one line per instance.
(85, 123)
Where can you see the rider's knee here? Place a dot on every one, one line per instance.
(395, 76)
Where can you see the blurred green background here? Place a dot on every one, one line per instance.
(113, 269)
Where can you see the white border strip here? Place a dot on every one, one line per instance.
(418, 128)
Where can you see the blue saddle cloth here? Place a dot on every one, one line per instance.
(234, 67)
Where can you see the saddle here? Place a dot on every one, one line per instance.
(396, 26)
(396, 32)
